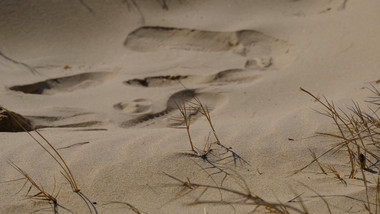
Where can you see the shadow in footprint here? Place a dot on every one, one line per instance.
(226, 76)
(156, 81)
(68, 83)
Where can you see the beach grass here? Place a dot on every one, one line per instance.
(48, 147)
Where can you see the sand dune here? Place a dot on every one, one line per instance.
(114, 85)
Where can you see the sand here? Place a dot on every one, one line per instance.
(101, 80)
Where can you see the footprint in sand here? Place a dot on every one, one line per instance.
(136, 107)
(248, 43)
(65, 118)
(262, 53)
(222, 77)
(64, 84)
(168, 116)
(157, 81)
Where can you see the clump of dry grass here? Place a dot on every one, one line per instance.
(231, 197)
(358, 136)
(41, 194)
(54, 154)
(214, 152)
(205, 193)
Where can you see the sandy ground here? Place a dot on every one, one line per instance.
(101, 79)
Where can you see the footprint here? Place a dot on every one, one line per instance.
(234, 75)
(73, 125)
(69, 83)
(226, 76)
(258, 63)
(168, 117)
(66, 118)
(156, 81)
(262, 53)
(8, 121)
(152, 38)
(248, 43)
(136, 107)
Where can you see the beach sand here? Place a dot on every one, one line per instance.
(101, 80)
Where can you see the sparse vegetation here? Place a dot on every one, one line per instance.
(219, 161)
(54, 154)
(242, 196)
(41, 193)
(358, 136)
(214, 153)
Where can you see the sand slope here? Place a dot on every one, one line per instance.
(102, 81)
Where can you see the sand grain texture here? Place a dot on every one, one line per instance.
(102, 81)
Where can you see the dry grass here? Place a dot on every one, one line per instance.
(41, 194)
(54, 154)
(214, 153)
(128, 205)
(336, 174)
(315, 159)
(359, 136)
(240, 196)
(231, 197)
